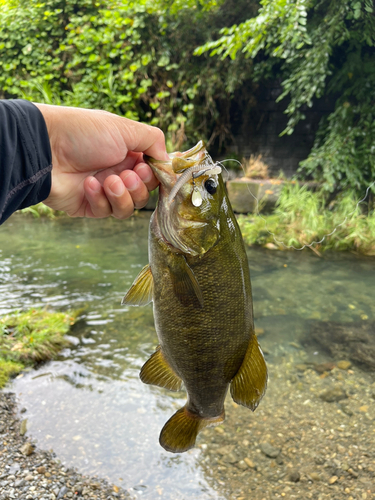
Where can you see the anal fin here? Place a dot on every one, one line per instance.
(250, 382)
(157, 371)
(140, 293)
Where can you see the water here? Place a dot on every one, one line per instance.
(89, 405)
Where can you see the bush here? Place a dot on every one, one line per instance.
(132, 58)
(317, 48)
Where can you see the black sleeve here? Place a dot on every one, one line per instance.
(25, 157)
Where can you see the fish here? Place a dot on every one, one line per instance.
(199, 282)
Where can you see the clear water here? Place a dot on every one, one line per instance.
(89, 406)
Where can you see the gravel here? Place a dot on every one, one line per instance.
(28, 473)
(298, 445)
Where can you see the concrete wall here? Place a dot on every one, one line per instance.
(256, 130)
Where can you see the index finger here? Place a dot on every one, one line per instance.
(143, 138)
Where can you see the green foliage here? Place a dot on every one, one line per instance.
(132, 58)
(8, 369)
(303, 216)
(30, 337)
(41, 210)
(318, 48)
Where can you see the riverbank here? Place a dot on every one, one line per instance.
(302, 217)
(31, 337)
(27, 472)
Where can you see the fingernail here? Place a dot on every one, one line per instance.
(131, 181)
(145, 173)
(94, 185)
(117, 188)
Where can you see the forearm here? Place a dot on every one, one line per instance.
(25, 157)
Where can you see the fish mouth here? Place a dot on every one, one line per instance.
(166, 171)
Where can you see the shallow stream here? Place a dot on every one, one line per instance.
(89, 405)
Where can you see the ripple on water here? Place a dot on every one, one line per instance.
(90, 406)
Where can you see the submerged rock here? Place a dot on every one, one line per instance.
(27, 449)
(269, 450)
(352, 342)
(333, 394)
(344, 365)
(294, 476)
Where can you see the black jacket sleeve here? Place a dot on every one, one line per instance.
(25, 157)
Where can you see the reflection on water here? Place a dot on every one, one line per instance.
(89, 405)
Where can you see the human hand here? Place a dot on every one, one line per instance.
(97, 157)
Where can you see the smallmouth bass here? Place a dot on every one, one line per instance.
(198, 279)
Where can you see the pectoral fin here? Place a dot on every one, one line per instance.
(157, 371)
(185, 284)
(249, 384)
(140, 293)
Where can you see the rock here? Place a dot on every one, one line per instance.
(62, 492)
(346, 341)
(314, 476)
(29, 477)
(249, 463)
(323, 367)
(15, 467)
(271, 246)
(27, 449)
(294, 476)
(332, 480)
(345, 409)
(41, 469)
(269, 450)
(19, 483)
(23, 427)
(333, 394)
(302, 367)
(343, 365)
(230, 458)
(224, 450)
(242, 465)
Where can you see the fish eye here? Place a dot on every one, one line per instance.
(210, 186)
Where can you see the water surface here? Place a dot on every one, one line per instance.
(89, 405)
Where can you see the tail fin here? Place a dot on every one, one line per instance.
(181, 430)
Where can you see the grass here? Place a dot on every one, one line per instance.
(28, 338)
(302, 216)
(255, 168)
(41, 210)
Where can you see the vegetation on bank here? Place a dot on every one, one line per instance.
(131, 58)
(41, 210)
(317, 49)
(28, 338)
(303, 216)
(150, 60)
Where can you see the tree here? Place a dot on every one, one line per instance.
(132, 58)
(318, 47)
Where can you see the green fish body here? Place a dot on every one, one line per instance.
(198, 279)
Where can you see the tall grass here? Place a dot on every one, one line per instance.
(303, 216)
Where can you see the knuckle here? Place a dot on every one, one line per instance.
(159, 133)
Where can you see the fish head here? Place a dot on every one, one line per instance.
(191, 193)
